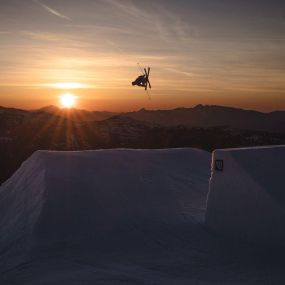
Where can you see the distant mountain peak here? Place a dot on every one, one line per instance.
(199, 106)
(143, 110)
(49, 108)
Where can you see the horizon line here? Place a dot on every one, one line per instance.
(141, 109)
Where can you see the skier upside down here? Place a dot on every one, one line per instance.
(143, 80)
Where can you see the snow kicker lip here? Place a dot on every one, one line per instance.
(64, 196)
(246, 199)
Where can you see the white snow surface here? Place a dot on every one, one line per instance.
(247, 198)
(119, 217)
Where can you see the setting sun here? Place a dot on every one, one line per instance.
(67, 100)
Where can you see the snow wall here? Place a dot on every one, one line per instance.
(246, 199)
(57, 197)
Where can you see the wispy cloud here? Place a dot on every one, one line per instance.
(179, 72)
(52, 11)
(103, 29)
(159, 22)
(129, 8)
(42, 36)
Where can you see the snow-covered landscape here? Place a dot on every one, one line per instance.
(142, 142)
(126, 216)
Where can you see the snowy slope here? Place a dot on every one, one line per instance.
(64, 196)
(247, 198)
(21, 201)
(118, 217)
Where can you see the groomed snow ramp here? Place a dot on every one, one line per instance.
(100, 196)
(247, 194)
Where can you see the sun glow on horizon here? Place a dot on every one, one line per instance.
(67, 100)
(68, 85)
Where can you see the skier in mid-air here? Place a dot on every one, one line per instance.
(140, 81)
(143, 80)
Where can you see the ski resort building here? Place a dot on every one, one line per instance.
(247, 194)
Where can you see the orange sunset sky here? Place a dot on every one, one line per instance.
(209, 52)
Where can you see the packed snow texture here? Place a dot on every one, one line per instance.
(119, 217)
(247, 198)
